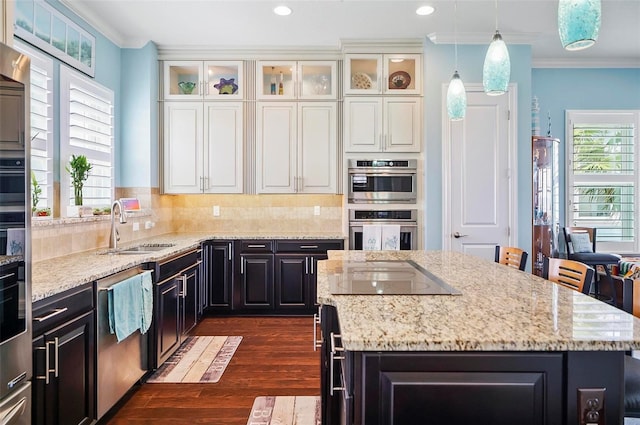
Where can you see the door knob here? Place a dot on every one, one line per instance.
(458, 235)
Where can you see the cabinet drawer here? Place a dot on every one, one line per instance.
(176, 264)
(256, 246)
(308, 246)
(60, 308)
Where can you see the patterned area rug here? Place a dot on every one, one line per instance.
(199, 359)
(281, 410)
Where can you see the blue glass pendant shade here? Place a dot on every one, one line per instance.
(578, 23)
(497, 67)
(456, 98)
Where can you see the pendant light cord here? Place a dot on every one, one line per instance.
(455, 33)
(496, 15)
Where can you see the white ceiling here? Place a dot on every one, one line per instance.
(212, 24)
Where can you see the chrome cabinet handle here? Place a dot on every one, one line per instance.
(56, 353)
(257, 246)
(46, 363)
(241, 265)
(48, 366)
(229, 251)
(332, 358)
(50, 315)
(308, 246)
(183, 286)
(7, 276)
(458, 235)
(312, 261)
(306, 265)
(317, 320)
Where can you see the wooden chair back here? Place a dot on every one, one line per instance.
(511, 256)
(572, 274)
(591, 231)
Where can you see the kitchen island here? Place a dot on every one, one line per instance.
(510, 348)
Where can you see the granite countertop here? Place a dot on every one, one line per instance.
(499, 309)
(50, 277)
(9, 259)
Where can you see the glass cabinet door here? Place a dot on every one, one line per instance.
(402, 74)
(276, 80)
(317, 80)
(182, 79)
(224, 79)
(363, 74)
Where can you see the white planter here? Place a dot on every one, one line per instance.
(79, 211)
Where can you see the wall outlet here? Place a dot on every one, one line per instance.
(136, 227)
(591, 406)
(216, 210)
(148, 224)
(316, 210)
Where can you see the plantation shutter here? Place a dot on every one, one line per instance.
(602, 177)
(87, 110)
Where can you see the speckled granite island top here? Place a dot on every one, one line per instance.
(499, 309)
(50, 277)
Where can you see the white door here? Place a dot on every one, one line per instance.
(317, 147)
(276, 147)
(183, 147)
(480, 201)
(223, 147)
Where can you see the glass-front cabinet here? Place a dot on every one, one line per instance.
(398, 74)
(546, 200)
(192, 80)
(296, 80)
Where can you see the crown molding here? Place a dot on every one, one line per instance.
(585, 63)
(96, 22)
(248, 53)
(482, 37)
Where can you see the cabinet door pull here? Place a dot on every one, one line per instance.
(183, 286)
(7, 276)
(241, 265)
(317, 321)
(50, 315)
(229, 251)
(48, 369)
(332, 358)
(306, 265)
(312, 261)
(56, 353)
(257, 246)
(308, 246)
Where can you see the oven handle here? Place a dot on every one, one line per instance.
(359, 224)
(15, 412)
(376, 172)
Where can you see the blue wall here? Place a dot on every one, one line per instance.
(584, 88)
(439, 66)
(138, 158)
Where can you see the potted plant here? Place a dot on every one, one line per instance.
(36, 191)
(79, 168)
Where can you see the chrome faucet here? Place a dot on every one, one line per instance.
(115, 235)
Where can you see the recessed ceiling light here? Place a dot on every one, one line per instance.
(425, 10)
(282, 11)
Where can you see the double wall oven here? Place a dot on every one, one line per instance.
(15, 264)
(383, 192)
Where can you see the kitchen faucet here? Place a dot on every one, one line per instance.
(115, 235)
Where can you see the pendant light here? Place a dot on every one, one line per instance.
(497, 65)
(578, 23)
(456, 94)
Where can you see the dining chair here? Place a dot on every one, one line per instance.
(581, 246)
(572, 274)
(511, 256)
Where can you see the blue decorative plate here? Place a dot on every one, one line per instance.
(226, 86)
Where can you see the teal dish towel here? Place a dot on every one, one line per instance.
(125, 307)
(147, 301)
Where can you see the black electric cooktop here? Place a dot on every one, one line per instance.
(387, 278)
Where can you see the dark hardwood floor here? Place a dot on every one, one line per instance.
(275, 357)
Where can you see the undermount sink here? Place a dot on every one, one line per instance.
(140, 249)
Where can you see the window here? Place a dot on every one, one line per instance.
(603, 175)
(41, 122)
(86, 128)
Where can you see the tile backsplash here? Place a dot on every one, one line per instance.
(190, 213)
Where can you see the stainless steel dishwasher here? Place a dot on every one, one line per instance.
(120, 364)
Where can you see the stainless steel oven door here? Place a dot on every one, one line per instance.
(12, 181)
(382, 187)
(408, 235)
(16, 409)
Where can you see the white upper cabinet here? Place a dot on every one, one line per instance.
(296, 147)
(203, 147)
(289, 80)
(389, 74)
(215, 80)
(382, 124)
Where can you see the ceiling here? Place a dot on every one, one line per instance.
(213, 24)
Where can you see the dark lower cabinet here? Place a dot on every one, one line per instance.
(189, 298)
(460, 388)
(167, 319)
(256, 281)
(64, 370)
(218, 275)
(295, 282)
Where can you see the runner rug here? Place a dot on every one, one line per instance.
(281, 410)
(199, 359)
